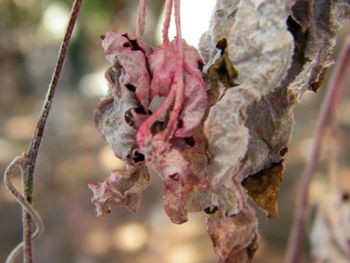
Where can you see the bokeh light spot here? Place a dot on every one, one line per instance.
(55, 19)
(94, 84)
(130, 237)
(109, 160)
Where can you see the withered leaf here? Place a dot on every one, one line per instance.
(245, 255)
(223, 69)
(123, 188)
(207, 142)
(112, 120)
(121, 50)
(197, 155)
(330, 234)
(262, 64)
(235, 237)
(264, 186)
(178, 181)
(128, 82)
(316, 38)
(162, 64)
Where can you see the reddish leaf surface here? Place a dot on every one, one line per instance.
(122, 188)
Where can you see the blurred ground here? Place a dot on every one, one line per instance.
(73, 153)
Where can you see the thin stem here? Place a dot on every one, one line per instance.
(18, 162)
(29, 159)
(179, 42)
(144, 130)
(141, 18)
(328, 105)
(179, 74)
(167, 18)
(333, 158)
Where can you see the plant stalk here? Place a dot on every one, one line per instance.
(331, 99)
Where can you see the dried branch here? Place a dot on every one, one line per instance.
(328, 105)
(28, 160)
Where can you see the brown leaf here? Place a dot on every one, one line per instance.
(223, 69)
(197, 155)
(263, 187)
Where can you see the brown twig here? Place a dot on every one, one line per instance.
(28, 160)
(328, 105)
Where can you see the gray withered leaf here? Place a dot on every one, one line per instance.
(112, 120)
(270, 120)
(314, 25)
(128, 80)
(124, 51)
(315, 33)
(261, 64)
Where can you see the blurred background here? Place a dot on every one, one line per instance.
(73, 154)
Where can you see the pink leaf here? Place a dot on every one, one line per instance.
(122, 188)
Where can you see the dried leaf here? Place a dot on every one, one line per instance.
(177, 195)
(162, 137)
(264, 186)
(315, 33)
(124, 52)
(128, 82)
(262, 64)
(330, 231)
(207, 141)
(112, 120)
(245, 255)
(197, 155)
(122, 188)
(163, 66)
(234, 238)
(178, 182)
(222, 69)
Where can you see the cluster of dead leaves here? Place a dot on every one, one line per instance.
(221, 133)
